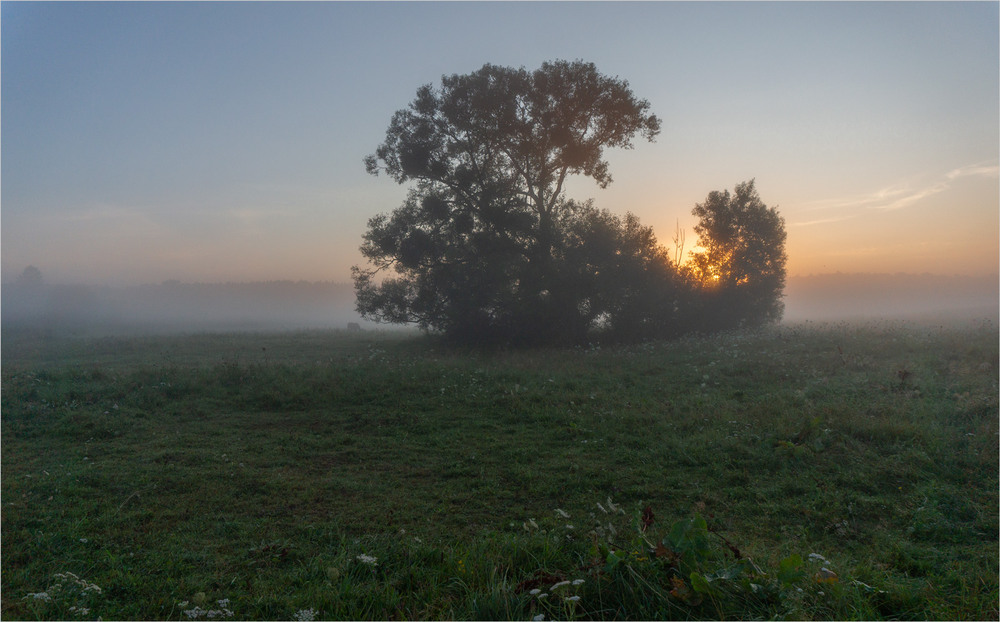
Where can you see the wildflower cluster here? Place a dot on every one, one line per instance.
(68, 588)
(197, 612)
(368, 560)
(305, 615)
(557, 600)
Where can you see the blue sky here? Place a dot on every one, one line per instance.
(224, 141)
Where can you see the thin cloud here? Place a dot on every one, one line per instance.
(900, 196)
(908, 197)
(975, 170)
(822, 221)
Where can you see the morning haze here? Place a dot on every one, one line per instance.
(693, 305)
(220, 143)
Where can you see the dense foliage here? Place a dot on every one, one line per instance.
(487, 247)
(742, 264)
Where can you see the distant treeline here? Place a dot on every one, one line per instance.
(173, 305)
(839, 296)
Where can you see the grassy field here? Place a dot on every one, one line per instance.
(807, 471)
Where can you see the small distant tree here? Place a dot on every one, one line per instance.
(741, 267)
(478, 246)
(30, 278)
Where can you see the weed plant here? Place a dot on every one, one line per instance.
(802, 472)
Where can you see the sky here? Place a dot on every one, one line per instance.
(211, 142)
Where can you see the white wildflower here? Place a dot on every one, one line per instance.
(571, 599)
(305, 615)
(578, 582)
(538, 618)
(535, 592)
(40, 596)
(601, 507)
(223, 602)
(368, 559)
(561, 513)
(542, 595)
(559, 585)
(816, 557)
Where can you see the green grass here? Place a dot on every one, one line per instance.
(175, 472)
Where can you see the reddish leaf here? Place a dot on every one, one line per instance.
(647, 518)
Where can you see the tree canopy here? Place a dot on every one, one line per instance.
(478, 243)
(742, 264)
(487, 248)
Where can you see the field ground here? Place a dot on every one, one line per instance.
(842, 471)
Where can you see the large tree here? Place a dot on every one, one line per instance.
(742, 262)
(625, 280)
(477, 246)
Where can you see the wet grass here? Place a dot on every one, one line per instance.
(254, 469)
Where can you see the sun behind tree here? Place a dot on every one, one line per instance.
(741, 265)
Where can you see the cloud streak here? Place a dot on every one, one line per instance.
(895, 197)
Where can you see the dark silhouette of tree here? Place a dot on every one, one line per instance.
(742, 265)
(30, 278)
(481, 244)
(625, 280)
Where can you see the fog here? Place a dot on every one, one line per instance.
(173, 306)
(918, 297)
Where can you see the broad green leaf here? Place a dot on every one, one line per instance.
(701, 584)
(790, 569)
